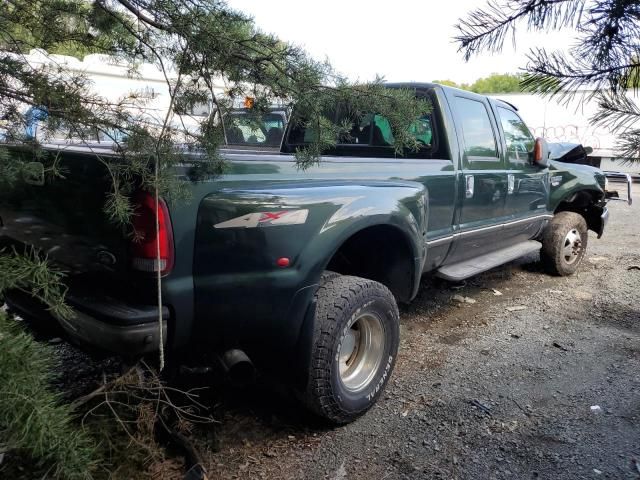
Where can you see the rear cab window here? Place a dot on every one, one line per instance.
(254, 129)
(421, 129)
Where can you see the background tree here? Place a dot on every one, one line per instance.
(497, 83)
(451, 83)
(494, 83)
(603, 61)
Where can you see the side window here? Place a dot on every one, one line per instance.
(420, 129)
(360, 133)
(479, 139)
(310, 134)
(382, 125)
(366, 134)
(517, 136)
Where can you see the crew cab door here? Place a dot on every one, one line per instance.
(527, 183)
(483, 181)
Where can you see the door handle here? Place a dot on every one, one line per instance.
(511, 183)
(468, 182)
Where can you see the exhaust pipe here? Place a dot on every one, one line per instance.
(237, 367)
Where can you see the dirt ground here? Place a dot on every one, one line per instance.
(538, 378)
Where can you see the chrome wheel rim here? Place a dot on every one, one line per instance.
(572, 246)
(360, 352)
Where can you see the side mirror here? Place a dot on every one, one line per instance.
(541, 153)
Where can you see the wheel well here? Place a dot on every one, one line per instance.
(585, 203)
(381, 253)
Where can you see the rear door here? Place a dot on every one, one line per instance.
(527, 184)
(483, 181)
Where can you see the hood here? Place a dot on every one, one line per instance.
(561, 165)
(568, 152)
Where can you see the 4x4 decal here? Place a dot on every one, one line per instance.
(266, 219)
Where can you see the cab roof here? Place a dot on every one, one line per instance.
(422, 86)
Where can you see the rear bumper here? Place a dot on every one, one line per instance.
(115, 327)
(127, 341)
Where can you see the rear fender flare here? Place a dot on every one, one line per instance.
(408, 218)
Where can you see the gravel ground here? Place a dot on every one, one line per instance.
(539, 377)
(533, 377)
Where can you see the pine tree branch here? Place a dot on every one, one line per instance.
(486, 28)
(141, 16)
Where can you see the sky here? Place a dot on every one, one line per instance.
(401, 40)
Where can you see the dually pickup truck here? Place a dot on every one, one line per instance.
(299, 272)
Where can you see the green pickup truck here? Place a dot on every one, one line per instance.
(299, 272)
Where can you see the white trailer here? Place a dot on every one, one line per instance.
(115, 80)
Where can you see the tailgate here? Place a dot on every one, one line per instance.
(64, 217)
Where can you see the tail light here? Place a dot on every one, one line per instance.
(144, 246)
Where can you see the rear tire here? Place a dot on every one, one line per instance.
(355, 342)
(564, 243)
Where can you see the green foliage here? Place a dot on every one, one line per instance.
(10, 169)
(602, 63)
(494, 83)
(65, 27)
(109, 434)
(497, 83)
(33, 275)
(451, 83)
(33, 421)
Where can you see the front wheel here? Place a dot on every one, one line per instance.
(354, 349)
(564, 243)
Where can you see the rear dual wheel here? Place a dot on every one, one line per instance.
(354, 349)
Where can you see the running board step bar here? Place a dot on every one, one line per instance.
(473, 266)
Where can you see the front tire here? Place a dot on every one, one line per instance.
(354, 348)
(564, 243)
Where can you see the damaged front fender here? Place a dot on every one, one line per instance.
(597, 217)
